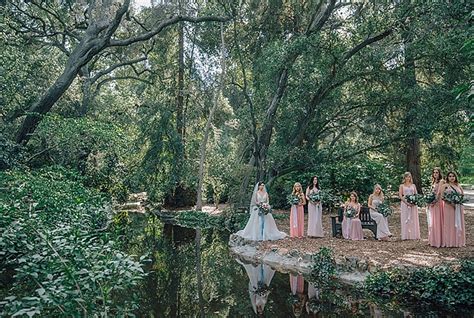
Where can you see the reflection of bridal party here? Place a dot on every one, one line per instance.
(445, 212)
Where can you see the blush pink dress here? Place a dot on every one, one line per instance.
(454, 228)
(315, 217)
(434, 214)
(352, 227)
(410, 227)
(297, 221)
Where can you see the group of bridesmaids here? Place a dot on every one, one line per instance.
(446, 227)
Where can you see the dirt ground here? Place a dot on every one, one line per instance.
(383, 254)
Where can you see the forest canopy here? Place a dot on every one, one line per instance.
(139, 98)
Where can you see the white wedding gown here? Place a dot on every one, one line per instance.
(260, 228)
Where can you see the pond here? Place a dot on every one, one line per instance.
(191, 273)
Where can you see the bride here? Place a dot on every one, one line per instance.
(260, 227)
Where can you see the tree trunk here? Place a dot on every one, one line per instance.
(217, 93)
(41, 107)
(86, 91)
(412, 145)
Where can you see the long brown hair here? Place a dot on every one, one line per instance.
(356, 196)
(456, 182)
(311, 183)
(432, 175)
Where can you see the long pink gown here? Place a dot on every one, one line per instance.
(297, 221)
(435, 221)
(410, 227)
(315, 218)
(454, 228)
(352, 228)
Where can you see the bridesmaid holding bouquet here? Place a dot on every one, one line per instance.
(410, 227)
(297, 211)
(454, 228)
(315, 209)
(434, 211)
(351, 225)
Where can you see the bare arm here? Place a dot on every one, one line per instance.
(303, 200)
(307, 193)
(369, 203)
(400, 193)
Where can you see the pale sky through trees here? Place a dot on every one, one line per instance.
(142, 3)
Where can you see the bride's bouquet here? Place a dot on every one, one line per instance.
(264, 208)
(261, 289)
(385, 209)
(293, 199)
(453, 197)
(314, 197)
(350, 212)
(416, 199)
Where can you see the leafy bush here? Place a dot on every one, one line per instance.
(53, 234)
(323, 267)
(446, 286)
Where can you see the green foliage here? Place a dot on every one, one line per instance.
(94, 147)
(448, 286)
(323, 267)
(54, 236)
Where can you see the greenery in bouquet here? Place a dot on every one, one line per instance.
(350, 212)
(315, 197)
(430, 198)
(454, 197)
(262, 289)
(416, 199)
(385, 209)
(264, 208)
(293, 199)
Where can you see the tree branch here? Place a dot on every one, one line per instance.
(147, 35)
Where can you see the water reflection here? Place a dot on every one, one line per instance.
(298, 302)
(260, 277)
(192, 274)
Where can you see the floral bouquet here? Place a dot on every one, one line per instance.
(453, 197)
(350, 212)
(293, 199)
(314, 305)
(261, 289)
(416, 199)
(385, 209)
(264, 208)
(430, 198)
(314, 197)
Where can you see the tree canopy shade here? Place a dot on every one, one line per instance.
(370, 88)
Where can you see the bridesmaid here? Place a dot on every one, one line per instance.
(315, 211)
(408, 212)
(297, 290)
(352, 227)
(297, 213)
(434, 211)
(375, 199)
(454, 229)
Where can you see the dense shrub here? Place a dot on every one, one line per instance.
(446, 286)
(54, 237)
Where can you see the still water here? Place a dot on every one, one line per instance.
(191, 273)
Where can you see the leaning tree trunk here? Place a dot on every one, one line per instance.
(217, 93)
(90, 45)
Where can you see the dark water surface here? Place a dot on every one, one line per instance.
(193, 274)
